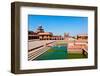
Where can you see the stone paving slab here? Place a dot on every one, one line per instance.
(34, 44)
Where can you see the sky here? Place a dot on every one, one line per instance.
(59, 25)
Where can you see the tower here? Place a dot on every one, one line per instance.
(40, 29)
(66, 35)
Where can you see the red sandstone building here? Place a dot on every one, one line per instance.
(42, 35)
(82, 37)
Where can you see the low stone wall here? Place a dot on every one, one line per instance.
(77, 47)
(72, 50)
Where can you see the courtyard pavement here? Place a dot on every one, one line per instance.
(34, 44)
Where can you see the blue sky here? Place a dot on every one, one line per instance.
(59, 25)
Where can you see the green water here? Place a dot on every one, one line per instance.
(75, 56)
(59, 52)
(55, 52)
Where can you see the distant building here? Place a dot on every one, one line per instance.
(67, 36)
(82, 37)
(42, 35)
